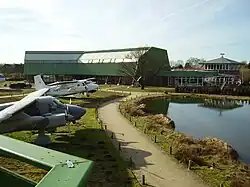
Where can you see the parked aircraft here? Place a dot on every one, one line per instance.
(67, 87)
(37, 112)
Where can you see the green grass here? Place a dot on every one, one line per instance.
(171, 92)
(133, 89)
(88, 140)
(222, 173)
(8, 82)
(15, 92)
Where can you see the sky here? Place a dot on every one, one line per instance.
(186, 28)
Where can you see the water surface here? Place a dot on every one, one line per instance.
(232, 125)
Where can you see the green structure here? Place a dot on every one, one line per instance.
(112, 66)
(64, 169)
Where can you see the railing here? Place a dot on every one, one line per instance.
(64, 169)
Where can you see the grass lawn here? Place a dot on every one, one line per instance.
(88, 140)
(132, 89)
(2, 83)
(15, 92)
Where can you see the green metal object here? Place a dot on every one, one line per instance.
(95, 69)
(60, 174)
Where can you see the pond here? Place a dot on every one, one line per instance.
(229, 121)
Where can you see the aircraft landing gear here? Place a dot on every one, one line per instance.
(51, 130)
(42, 139)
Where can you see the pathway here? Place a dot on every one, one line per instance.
(159, 169)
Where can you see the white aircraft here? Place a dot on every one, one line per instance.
(67, 87)
(37, 112)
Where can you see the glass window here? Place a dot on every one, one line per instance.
(109, 57)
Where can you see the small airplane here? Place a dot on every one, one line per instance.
(67, 87)
(38, 112)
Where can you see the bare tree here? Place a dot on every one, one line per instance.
(142, 66)
(131, 68)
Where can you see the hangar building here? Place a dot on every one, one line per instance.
(113, 66)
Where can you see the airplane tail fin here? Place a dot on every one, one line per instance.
(39, 83)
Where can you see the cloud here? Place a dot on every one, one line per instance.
(185, 27)
(182, 10)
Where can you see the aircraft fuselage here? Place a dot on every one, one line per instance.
(71, 88)
(46, 113)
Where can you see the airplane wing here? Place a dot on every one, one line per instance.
(19, 105)
(90, 79)
(61, 83)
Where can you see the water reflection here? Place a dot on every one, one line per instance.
(227, 120)
(221, 105)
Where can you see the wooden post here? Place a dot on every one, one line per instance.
(105, 127)
(170, 150)
(143, 180)
(189, 164)
(130, 161)
(119, 145)
(155, 139)
(221, 185)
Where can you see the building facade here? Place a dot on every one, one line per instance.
(116, 65)
(228, 69)
(112, 66)
(222, 65)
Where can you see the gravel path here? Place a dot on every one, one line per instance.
(159, 169)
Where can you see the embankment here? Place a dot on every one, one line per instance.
(214, 160)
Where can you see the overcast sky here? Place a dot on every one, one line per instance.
(199, 28)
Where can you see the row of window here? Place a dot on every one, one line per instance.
(222, 67)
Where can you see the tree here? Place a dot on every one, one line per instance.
(244, 61)
(192, 61)
(142, 66)
(245, 73)
(131, 68)
(12, 70)
(177, 66)
(180, 62)
(172, 63)
(188, 65)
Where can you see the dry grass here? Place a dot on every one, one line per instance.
(209, 96)
(214, 160)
